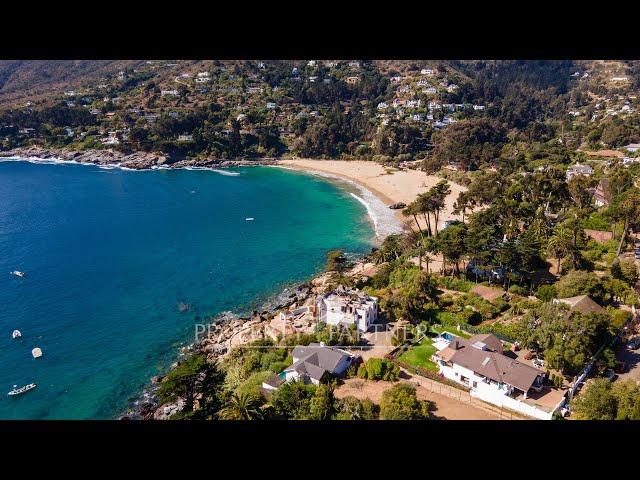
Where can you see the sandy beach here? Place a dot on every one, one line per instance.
(396, 186)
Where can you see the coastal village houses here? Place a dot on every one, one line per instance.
(348, 307)
(479, 364)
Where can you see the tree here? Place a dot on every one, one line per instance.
(190, 376)
(400, 402)
(565, 339)
(241, 407)
(451, 243)
(321, 405)
(560, 244)
(627, 395)
(579, 282)
(625, 270)
(596, 402)
(351, 408)
(292, 400)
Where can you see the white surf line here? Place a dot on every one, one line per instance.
(111, 166)
(384, 221)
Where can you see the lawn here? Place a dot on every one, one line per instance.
(420, 355)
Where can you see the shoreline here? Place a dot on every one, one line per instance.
(385, 221)
(390, 186)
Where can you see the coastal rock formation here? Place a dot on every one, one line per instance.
(135, 161)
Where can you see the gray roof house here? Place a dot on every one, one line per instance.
(311, 364)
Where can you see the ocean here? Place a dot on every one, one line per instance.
(120, 266)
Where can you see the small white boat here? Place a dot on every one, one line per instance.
(249, 219)
(21, 390)
(18, 273)
(16, 334)
(36, 352)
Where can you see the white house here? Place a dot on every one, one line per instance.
(185, 138)
(479, 364)
(164, 93)
(311, 364)
(632, 147)
(348, 307)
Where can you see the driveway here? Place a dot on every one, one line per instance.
(632, 359)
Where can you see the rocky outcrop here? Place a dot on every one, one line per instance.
(136, 161)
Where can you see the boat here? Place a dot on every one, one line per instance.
(16, 334)
(249, 219)
(36, 352)
(21, 390)
(18, 273)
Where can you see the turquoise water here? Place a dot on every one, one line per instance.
(111, 254)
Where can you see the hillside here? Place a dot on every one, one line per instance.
(457, 113)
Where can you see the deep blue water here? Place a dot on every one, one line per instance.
(110, 255)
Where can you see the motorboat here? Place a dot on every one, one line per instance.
(36, 352)
(21, 390)
(249, 219)
(18, 273)
(16, 334)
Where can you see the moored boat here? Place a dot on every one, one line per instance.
(36, 352)
(21, 390)
(18, 273)
(16, 334)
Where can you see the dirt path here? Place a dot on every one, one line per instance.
(445, 407)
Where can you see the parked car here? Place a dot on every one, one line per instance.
(609, 374)
(538, 363)
(621, 367)
(633, 343)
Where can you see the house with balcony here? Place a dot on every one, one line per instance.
(347, 306)
(479, 364)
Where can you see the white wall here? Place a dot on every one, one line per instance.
(489, 392)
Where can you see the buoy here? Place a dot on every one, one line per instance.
(16, 334)
(36, 352)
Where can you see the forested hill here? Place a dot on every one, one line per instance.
(22, 79)
(463, 113)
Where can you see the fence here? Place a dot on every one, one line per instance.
(459, 393)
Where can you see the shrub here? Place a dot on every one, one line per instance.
(277, 367)
(380, 369)
(518, 290)
(546, 293)
(401, 403)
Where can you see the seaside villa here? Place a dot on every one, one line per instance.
(479, 364)
(311, 364)
(348, 307)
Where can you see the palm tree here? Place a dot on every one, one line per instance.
(241, 407)
(560, 244)
(412, 210)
